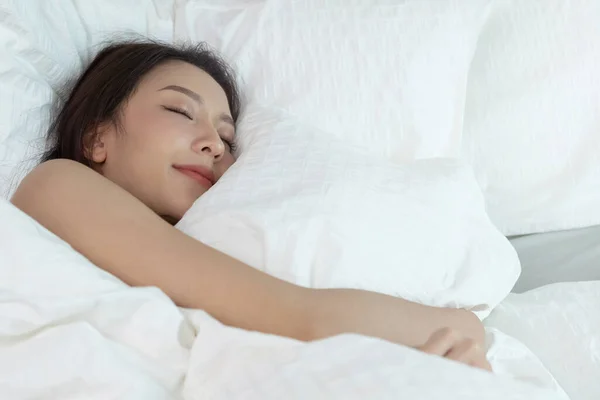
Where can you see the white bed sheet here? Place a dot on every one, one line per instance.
(72, 331)
(564, 256)
(560, 323)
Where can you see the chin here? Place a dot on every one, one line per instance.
(180, 209)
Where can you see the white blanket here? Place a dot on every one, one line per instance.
(69, 330)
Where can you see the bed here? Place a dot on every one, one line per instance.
(561, 256)
(435, 131)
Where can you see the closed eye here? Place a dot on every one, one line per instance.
(179, 111)
(230, 144)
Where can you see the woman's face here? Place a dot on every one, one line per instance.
(174, 140)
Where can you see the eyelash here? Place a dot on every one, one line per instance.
(180, 112)
(232, 146)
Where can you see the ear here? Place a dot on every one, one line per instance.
(95, 145)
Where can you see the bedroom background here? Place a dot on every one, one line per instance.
(440, 127)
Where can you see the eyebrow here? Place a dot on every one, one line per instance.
(197, 98)
(190, 93)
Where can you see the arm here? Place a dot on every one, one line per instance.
(387, 317)
(93, 214)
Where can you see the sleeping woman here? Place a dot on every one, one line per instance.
(146, 130)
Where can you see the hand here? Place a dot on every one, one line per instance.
(450, 343)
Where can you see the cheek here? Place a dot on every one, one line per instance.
(226, 162)
(155, 134)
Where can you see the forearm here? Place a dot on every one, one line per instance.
(67, 198)
(343, 310)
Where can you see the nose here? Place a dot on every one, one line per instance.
(209, 142)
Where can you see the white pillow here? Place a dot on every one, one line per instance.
(387, 75)
(44, 44)
(532, 119)
(373, 72)
(319, 212)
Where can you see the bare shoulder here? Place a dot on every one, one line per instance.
(84, 208)
(51, 181)
(67, 197)
(55, 172)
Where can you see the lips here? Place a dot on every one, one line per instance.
(200, 174)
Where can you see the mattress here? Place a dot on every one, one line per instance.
(563, 256)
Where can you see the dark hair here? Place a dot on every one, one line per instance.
(109, 81)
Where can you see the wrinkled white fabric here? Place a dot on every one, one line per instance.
(69, 330)
(532, 115)
(560, 324)
(313, 210)
(374, 72)
(387, 75)
(45, 44)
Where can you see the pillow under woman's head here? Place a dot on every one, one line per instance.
(389, 76)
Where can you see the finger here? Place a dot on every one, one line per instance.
(486, 365)
(469, 352)
(441, 341)
(481, 362)
(464, 351)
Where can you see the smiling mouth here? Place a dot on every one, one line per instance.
(202, 177)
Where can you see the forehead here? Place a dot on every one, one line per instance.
(188, 76)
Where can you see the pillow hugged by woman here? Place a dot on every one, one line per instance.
(145, 131)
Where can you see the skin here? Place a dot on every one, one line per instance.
(178, 116)
(134, 189)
